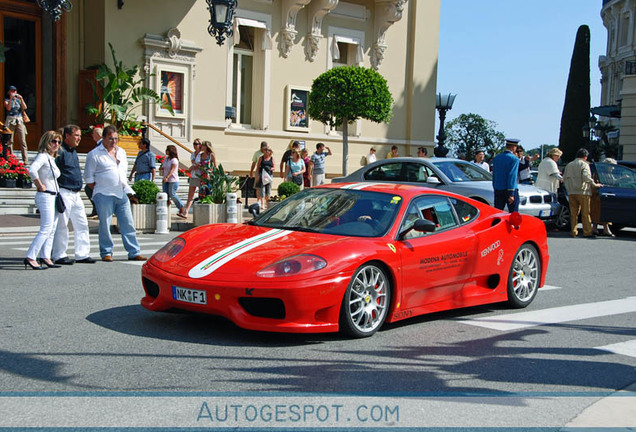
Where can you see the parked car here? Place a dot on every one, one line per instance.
(457, 176)
(618, 196)
(348, 257)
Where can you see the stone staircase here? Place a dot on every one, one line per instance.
(22, 201)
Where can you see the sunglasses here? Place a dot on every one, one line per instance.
(56, 141)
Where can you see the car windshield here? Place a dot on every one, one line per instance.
(347, 212)
(460, 171)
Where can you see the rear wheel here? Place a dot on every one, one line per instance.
(524, 277)
(366, 302)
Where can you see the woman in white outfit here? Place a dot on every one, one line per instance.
(549, 177)
(44, 173)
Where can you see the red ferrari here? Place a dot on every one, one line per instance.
(349, 257)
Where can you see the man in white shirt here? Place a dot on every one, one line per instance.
(479, 160)
(106, 172)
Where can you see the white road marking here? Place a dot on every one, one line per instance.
(623, 348)
(555, 315)
(549, 288)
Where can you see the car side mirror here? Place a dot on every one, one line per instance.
(420, 225)
(433, 181)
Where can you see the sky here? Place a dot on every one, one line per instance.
(508, 61)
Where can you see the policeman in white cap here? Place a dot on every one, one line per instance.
(505, 169)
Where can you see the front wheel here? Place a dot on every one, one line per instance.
(563, 219)
(524, 277)
(366, 302)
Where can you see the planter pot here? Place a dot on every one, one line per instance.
(7, 183)
(205, 214)
(24, 184)
(145, 217)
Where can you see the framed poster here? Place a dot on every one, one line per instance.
(172, 91)
(296, 116)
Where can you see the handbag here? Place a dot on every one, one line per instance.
(266, 178)
(59, 203)
(298, 179)
(25, 117)
(60, 207)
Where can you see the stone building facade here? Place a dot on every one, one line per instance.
(278, 48)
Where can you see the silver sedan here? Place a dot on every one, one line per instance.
(453, 175)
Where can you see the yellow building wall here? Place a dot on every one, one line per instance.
(409, 65)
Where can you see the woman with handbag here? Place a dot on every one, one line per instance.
(265, 177)
(15, 108)
(295, 169)
(44, 173)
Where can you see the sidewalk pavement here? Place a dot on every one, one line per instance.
(12, 224)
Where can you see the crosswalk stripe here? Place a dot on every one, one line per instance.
(555, 315)
(549, 288)
(624, 348)
(27, 240)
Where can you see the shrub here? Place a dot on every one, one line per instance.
(146, 191)
(287, 189)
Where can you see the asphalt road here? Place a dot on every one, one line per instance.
(80, 330)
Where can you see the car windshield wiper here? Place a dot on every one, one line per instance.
(298, 228)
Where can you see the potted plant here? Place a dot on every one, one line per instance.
(145, 212)
(287, 189)
(215, 184)
(121, 92)
(24, 179)
(9, 171)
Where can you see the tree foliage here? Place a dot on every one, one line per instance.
(576, 108)
(468, 133)
(345, 94)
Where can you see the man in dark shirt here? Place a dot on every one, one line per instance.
(70, 183)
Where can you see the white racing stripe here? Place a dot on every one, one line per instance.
(623, 348)
(555, 315)
(220, 258)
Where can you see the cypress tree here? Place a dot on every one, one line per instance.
(576, 109)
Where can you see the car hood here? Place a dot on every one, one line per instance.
(237, 252)
(527, 190)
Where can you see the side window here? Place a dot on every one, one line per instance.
(386, 172)
(616, 175)
(465, 212)
(436, 209)
(417, 173)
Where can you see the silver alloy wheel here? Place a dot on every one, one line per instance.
(524, 276)
(367, 300)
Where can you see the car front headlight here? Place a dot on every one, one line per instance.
(292, 266)
(170, 250)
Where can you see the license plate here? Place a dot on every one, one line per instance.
(545, 213)
(188, 295)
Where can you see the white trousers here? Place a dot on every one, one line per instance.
(43, 241)
(76, 212)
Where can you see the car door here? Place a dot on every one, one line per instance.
(435, 266)
(618, 194)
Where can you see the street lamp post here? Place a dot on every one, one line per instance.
(221, 16)
(588, 135)
(443, 104)
(55, 7)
